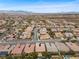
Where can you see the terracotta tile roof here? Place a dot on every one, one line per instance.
(40, 47)
(18, 49)
(29, 48)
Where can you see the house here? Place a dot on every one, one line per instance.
(59, 29)
(73, 57)
(58, 34)
(43, 31)
(5, 49)
(40, 47)
(18, 49)
(76, 34)
(29, 48)
(51, 48)
(54, 30)
(2, 30)
(68, 34)
(2, 22)
(26, 35)
(76, 29)
(74, 47)
(62, 47)
(45, 36)
(29, 29)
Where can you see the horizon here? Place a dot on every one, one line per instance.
(40, 6)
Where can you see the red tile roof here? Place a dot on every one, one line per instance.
(40, 47)
(29, 48)
(18, 49)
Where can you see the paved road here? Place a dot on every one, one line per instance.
(26, 41)
(35, 34)
(23, 42)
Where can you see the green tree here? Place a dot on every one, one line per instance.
(34, 55)
(46, 55)
(22, 56)
(28, 57)
(9, 57)
(31, 56)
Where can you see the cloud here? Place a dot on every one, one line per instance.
(72, 6)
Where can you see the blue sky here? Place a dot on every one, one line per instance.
(41, 6)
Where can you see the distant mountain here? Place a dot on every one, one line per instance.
(31, 13)
(16, 12)
(69, 12)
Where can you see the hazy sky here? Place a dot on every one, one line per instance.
(44, 6)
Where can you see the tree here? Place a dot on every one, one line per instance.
(16, 57)
(22, 56)
(28, 57)
(46, 55)
(34, 55)
(31, 56)
(9, 57)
